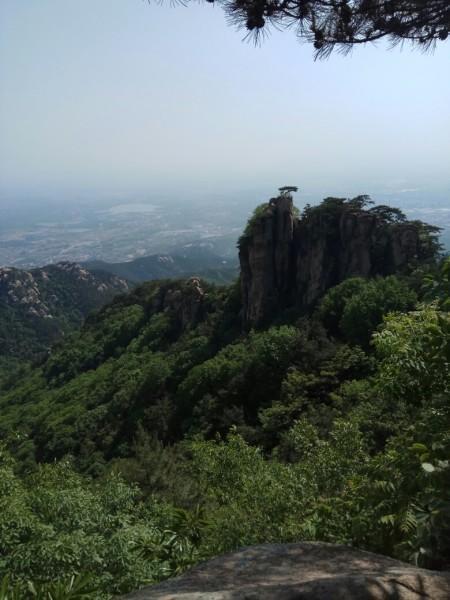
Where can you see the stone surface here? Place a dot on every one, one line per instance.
(303, 571)
(290, 262)
(267, 262)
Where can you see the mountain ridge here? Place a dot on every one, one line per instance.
(163, 432)
(38, 306)
(182, 264)
(175, 336)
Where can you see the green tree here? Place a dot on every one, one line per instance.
(249, 499)
(355, 308)
(414, 353)
(65, 536)
(436, 286)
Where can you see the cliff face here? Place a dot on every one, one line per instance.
(290, 262)
(267, 259)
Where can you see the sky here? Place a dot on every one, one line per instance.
(114, 96)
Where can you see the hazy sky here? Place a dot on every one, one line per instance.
(105, 95)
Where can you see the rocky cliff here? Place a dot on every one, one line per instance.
(290, 261)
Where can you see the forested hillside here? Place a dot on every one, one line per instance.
(186, 262)
(184, 422)
(40, 306)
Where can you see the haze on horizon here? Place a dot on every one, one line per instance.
(105, 97)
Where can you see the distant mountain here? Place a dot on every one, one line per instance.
(39, 306)
(184, 262)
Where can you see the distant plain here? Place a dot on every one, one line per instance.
(34, 234)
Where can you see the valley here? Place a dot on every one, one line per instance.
(307, 400)
(224, 300)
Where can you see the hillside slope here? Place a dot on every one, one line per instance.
(195, 261)
(38, 307)
(163, 432)
(172, 357)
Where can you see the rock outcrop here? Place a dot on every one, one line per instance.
(41, 292)
(184, 300)
(267, 260)
(306, 571)
(288, 261)
(39, 306)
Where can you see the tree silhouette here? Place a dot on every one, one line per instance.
(341, 24)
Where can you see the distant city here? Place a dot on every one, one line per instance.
(36, 234)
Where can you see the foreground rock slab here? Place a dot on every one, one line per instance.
(303, 571)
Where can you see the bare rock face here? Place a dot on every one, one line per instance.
(291, 262)
(303, 571)
(267, 260)
(42, 291)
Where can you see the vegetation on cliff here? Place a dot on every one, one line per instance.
(162, 434)
(40, 306)
(290, 260)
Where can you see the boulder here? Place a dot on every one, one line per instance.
(301, 571)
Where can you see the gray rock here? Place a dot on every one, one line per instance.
(303, 571)
(290, 262)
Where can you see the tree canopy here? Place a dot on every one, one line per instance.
(330, 24)
(161, 434)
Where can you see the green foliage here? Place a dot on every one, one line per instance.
(229, 388)
(334, 302)
(251, 500)
(355, 308)
(258, 213)
(420, 343)
(160, 435)
(437, 286)
(394, 500)
(65, 536)
(389, 214)
(158, 469)
(331, 207)
(39, 307)
(429, 244)
(77, 587)
(122, 371)
(317, 392)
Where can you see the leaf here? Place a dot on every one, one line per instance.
(428, 467)
(419, 448)
(388, 520)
